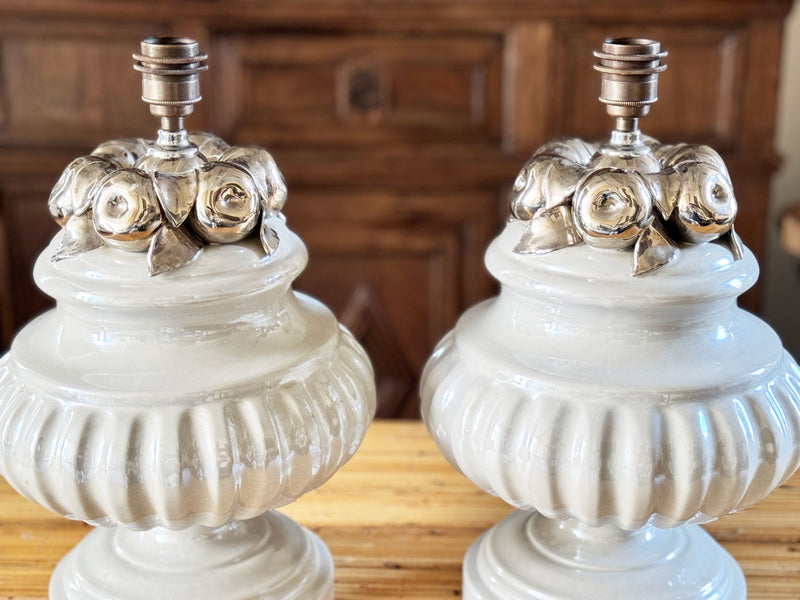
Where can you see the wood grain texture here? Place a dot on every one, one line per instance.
(353, 90)
(422, 15)
(398, 520)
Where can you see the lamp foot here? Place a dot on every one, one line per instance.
(530, 557)
(266, 558)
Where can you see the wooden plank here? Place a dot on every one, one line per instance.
(392, 14)
(528, 93)
(398, 519)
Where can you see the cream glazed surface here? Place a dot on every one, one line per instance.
(178, 411)
(582, 392)
(203, 395)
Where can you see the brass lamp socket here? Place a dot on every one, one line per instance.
(630, 68)
(170, 68)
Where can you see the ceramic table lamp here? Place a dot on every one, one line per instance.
(180, 389)
(614, 392)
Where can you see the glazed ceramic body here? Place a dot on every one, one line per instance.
(180, 406)
(612, 406)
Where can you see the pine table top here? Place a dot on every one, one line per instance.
(398, 520)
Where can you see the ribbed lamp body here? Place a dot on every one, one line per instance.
(615, 412)
(177, 411)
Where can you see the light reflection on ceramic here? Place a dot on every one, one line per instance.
(512, 394)
(185, 407)
(240, 550)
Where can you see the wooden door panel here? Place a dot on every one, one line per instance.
(700, 94)
(70, 84)
(28, 229)
(359, 89)
(398, 269)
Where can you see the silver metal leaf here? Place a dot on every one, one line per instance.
(170, 249)
(269, 237)
(176, 194)
(653, 250)
(549, 230)
(732, 242)
(77, 236)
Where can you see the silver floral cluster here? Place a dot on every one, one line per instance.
(653, 199)
(131, 194)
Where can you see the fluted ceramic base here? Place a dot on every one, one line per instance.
(527, 556)
(266, 558)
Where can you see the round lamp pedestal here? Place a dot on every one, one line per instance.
(266, 558)
(527, 556)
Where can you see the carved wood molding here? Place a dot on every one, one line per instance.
(365, 316)
(422, 14)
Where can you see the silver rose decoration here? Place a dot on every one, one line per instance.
(671, 195)
(129, 195)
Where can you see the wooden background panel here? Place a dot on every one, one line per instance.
(356, 89)
(70, 84)
(700, 95)
(398, 269)
(389, 15)
(7, 325)
(29, 228)
(751, 185)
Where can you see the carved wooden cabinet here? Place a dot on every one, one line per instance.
(399, 126)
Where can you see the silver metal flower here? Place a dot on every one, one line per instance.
(612, 207)
(73, 193)
(665, 196)
(125, 151)
(227, 207)
(125, 209)
(138, 195)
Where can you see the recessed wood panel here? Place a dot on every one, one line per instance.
(7, 325)
(357, 89)
(280, 91)
(73, 88)
(700, 93)
(28, 229)
(398, 268)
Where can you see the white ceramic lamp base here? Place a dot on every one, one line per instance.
(266, 558)
(181, 389)
(527, 556)
(175, 445)
(577, 405)
(614, 385)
